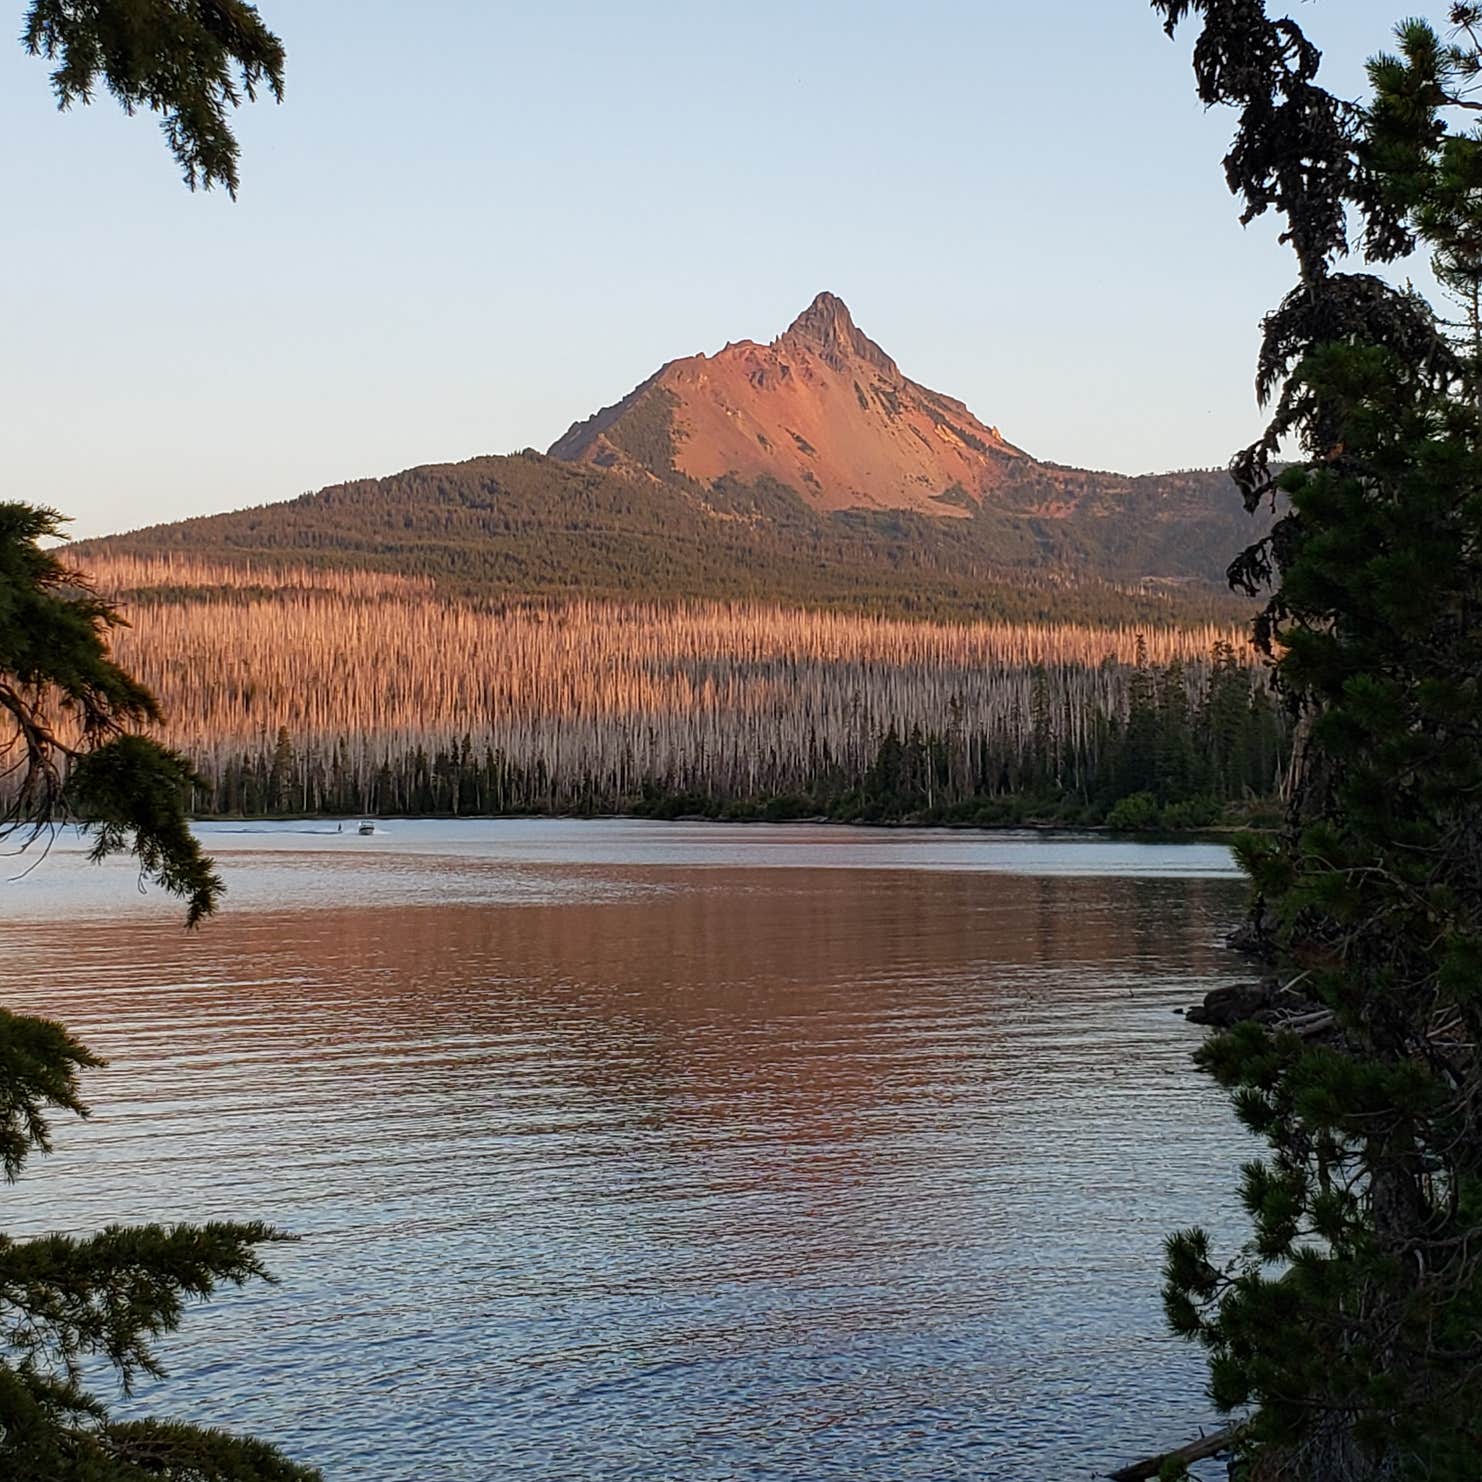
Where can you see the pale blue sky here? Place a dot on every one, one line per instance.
(473, 223)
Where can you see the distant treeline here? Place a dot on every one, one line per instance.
(1192, 743)
(346, 693)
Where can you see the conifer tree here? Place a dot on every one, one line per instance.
(1351, 1322)
(282, 773)
(70, 747)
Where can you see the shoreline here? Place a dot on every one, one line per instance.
(1214, 833)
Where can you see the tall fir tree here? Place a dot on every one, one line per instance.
(1350, 1325)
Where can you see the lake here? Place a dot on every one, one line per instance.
(624, 1150)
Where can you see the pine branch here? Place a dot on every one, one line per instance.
(64, 1299)
(190, 61)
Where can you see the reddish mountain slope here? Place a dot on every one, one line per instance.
(823, 410)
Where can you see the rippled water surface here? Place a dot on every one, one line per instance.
(631, 1151)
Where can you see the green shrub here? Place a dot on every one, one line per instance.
(1136, 813)
(1191, 813)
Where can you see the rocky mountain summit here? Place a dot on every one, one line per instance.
(822, 409)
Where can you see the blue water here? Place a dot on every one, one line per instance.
(626, 1150)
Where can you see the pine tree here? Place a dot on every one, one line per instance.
(1223, 724)
(1136, 769)
(1350, 1321)
(282, 773)
(1175, 741)
(64, 1300)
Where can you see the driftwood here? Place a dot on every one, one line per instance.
(1205, 1446)
(1309, 1025)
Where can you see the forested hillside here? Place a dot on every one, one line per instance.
(528, 526)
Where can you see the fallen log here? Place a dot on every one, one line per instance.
(1200, 1450)
(1308, 1025)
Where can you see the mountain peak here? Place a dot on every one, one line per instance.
(827, 328)
(821, 410)
(828, 315)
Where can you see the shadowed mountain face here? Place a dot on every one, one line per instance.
(823, 410)
(808, 470)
